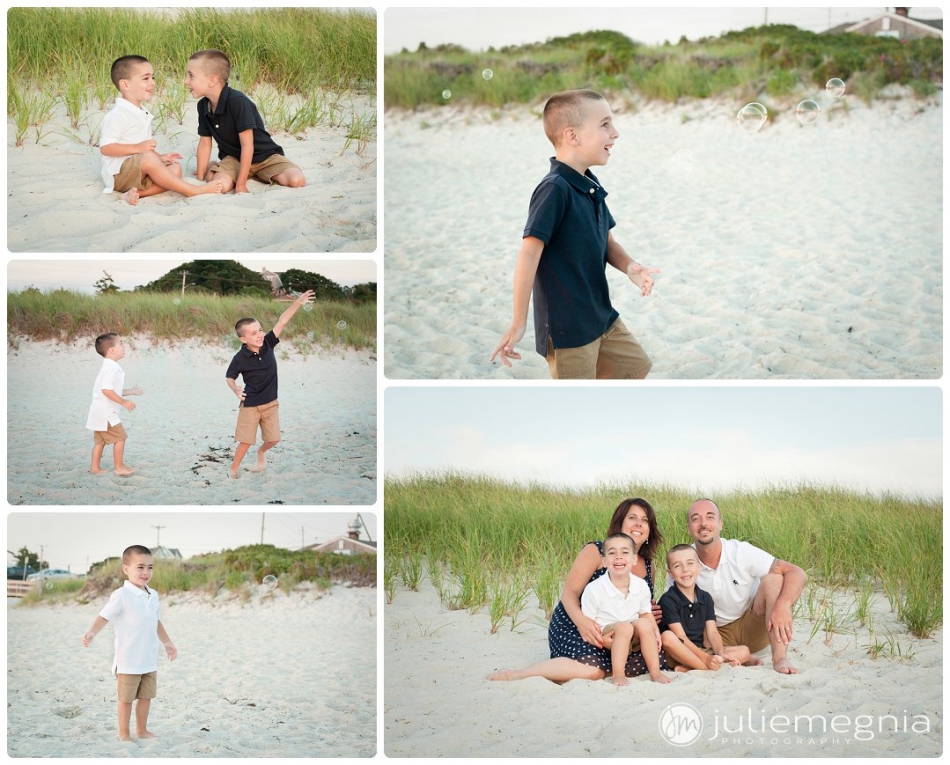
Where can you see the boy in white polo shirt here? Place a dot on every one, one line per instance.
(134, 612)
(107, 399)
(620, 604)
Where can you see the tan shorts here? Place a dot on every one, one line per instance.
(634, 641)
(267, 416)
(113, 435)
(264, 171)
(616, 355)
(748, 630)
(132, 687)
(130, 175)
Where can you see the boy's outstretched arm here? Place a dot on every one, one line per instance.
(170, 649)
(640, 275)
(247, 155)
(525, 269)
(94, 630)
(306, 297)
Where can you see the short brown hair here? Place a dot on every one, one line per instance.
(676, 549)
(105, 342)
(240, 324)
(214, 62)
(134, 550)
(567, 109)
(122, 67)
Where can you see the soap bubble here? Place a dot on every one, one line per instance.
(177, 301)
(310, 336)
(270, 581)
(49, 584)
(681, 163)
(341, 325)
(752, 117)
(808, 112)
(308, 307)
(446, 94)
(487, 74)
(835, 87)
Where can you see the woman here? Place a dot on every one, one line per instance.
(577, 649)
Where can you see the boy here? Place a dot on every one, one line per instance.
(691, 638)
(259, 406)
(129, 161)
(567, 244)
(134, 613)
(620, 604)
(107, 398)
(245, 148)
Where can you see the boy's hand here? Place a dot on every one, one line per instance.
(171, 651)
(171, 157)
(506, 347)
(241, 188)
(306, 297)
(640, 275)
(239, 392)
(128, 405)
(136, 391)
(148, 145)
(87, 639)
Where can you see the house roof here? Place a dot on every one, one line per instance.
(925, 24)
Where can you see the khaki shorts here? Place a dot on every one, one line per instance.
(748, 630)
(132, 687)
(113, 435)
(263, 171)
(615, 355)
(267, 416)
(130, 175)
(634, 641)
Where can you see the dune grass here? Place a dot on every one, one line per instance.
(67, 316)
(490, 543)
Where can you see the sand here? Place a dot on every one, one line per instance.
(795, 252)
(439, 704)
(181, 432)
(55, 201)
(278, 676)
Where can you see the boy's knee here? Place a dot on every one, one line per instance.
(623, 630)
(298, 182)
(668, 638)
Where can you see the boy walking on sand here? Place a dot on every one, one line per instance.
(566, 246)
(134, 612)
(107, 399)
(129, 161)
(245, 148)
(259, 406)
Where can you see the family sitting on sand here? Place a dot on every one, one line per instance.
(725, 601)
(131, 165)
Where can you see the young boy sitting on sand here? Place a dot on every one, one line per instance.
(129, 160)
(134, 613)
(620, 604)
(107, 399)
(245, 148)
(259, 407)
(566, 246)
(691, 638)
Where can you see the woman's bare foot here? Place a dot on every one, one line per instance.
(504, 674)
(619, 681)
(132, 197)
(681, 668)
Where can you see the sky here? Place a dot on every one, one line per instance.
(479, 28)
(80, 274)
(75, 540)
(710, 439)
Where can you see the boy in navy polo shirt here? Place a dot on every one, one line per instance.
(259, 407)
(245, 148)
(566, 247)
(691, 639)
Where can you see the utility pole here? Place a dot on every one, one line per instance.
(262, 528)
(183, 275)
(158, 536)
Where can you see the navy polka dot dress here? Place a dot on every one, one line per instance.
(565, 639)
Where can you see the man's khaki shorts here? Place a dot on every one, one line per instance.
(616, 355)
(132, 687)
(267, 416)
(748, 630)
(634, 641)
(264, 171)
(130, 175)
(113, 435)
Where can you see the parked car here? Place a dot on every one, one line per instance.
(50, 573)
(19, 572)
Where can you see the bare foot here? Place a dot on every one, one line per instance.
(681, 668)
(209, 188)
(233, 473)
(622, 680)
(125, 737)
(261, 465)
(783, 666)
(659, 677)
(124, 471)
(754, 661)
(502, 674)
(146, 734)
(96, 471)
(132, 197)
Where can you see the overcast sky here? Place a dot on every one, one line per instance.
(80, 274)
(709, 439)
(74, 540)
(477, 29)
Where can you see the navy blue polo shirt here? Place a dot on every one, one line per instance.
(234, 114)
(259, 371)
(693, 616)
(568, 212)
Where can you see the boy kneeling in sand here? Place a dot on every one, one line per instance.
(129, 160)
(620, 604)
(690, 638)
(134, 613)
(259, 407)
(107, 399)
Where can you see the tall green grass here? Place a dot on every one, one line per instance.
(67, 316)
(487, 534)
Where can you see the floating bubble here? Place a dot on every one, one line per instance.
(808, 112)
(177, 301)
(308, 307)
(49, 584)
(270, 581)
(487, 74)
(835, 87)
(752, 117)
(310, 336)
(341, 325)
(446, 94)
(681, 163)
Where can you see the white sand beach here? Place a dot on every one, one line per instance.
(55, 201)
(798, 252)
(842, 704)
(181, 432)
(277, 676)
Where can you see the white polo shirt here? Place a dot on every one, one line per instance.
(605, 604)
(102, 411)
(734, 582)
(134, 614)
(124, 123)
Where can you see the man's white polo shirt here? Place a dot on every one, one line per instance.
(734, 582)
(104, 412)
(124, 123)
(605, 604)
(134, 614)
